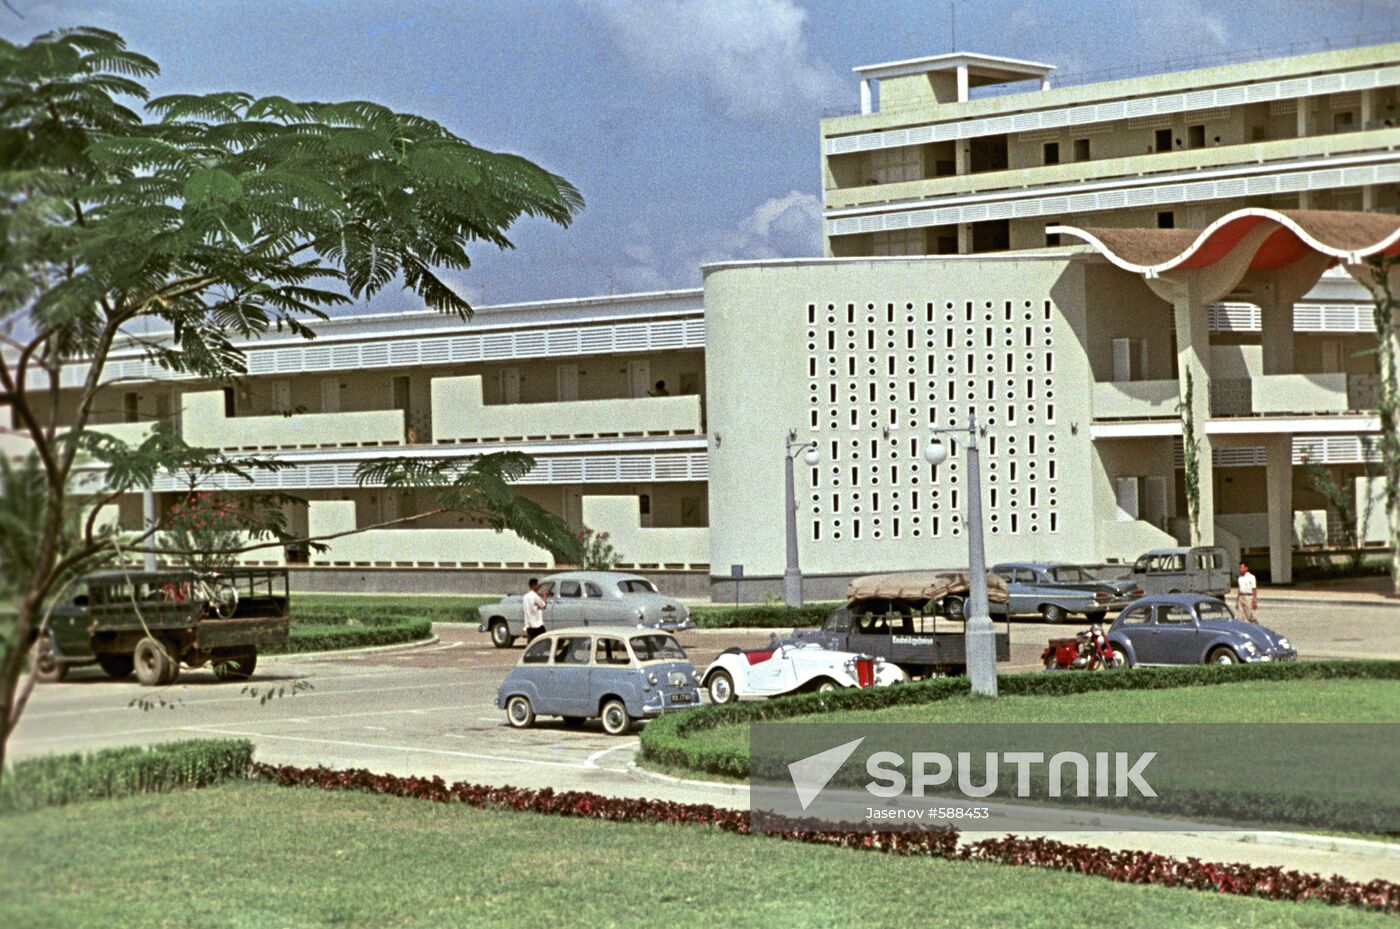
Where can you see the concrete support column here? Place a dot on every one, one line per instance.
(964, 238)
(1278, 477)
(962, 156)
(1368, 198)
(865, 102)
(1193, 359)
(964, 89)
(1368, 107)
(1304, 116)
(1276, 332)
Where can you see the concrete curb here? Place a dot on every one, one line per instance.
(367, 650)
(1379, 603)
(1363, 848)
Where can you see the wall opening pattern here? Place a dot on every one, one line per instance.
(881, 375)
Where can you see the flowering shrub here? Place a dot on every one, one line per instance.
(596, 551)
(204, 531)
(1132, 867)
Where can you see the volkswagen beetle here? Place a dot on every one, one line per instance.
(1193, 629)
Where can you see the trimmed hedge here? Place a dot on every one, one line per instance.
(665, 740)
(333, 610)
(332, 636)
(58, 780)
(761, 616)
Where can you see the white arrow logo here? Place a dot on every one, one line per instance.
(813, 773)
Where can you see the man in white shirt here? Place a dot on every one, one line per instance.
(1246, 594)
(533, 605)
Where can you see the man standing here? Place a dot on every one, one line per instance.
(533, 605)
(1246, 594)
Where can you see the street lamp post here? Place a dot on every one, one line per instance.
(792, 574)
(979, 636)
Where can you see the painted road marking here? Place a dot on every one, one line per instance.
(592, 760)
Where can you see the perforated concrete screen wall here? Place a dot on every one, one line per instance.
(881, 376)
(866, 358)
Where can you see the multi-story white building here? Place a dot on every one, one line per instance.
(661, 418)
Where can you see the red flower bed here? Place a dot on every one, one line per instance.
(1132, 867)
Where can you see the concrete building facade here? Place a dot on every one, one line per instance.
(950, 284)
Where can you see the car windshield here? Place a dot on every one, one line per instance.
(657, 648)
(1070, 573)
(1214, 612)
(636, 586)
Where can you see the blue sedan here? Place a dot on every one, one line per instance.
(1193, 629)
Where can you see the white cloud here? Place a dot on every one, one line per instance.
(750, 56)
(781, 227)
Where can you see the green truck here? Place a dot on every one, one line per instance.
(151, 622)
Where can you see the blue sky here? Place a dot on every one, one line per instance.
(690, 126)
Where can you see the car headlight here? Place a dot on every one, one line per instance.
(651, 678)
(1284, 643)
(1250, 647)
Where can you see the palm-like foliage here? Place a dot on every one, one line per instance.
(220, 216)
(479, 488)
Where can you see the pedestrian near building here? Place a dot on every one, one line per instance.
(533, 605)
(1246, 594)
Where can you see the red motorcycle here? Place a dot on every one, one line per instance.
(1087, 651)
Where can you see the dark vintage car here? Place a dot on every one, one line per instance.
(1192, 629)
(151, 622)
(903, 619)
(1055, 589)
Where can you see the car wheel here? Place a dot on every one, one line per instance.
(116, 666)
(721, 688)
(519, 712)
(46, 668)
(1052, 614)
(152, 662)
(615, 718)
(828, 686)
(1222, 655)
(1120, 659)
(237, 667)
(953, 607)
(500, 634)
(573, 722)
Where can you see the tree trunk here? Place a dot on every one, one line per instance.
(11, 666)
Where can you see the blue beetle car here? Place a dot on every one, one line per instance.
(615, 675)
(1193, 629)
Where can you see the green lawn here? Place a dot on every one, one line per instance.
(253, 855)
(1315, 701)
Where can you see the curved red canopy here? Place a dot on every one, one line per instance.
(1346, 236)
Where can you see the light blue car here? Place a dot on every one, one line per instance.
(617, 676)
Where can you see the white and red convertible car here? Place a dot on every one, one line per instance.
(786, 666)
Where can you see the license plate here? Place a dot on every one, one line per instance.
(682, 698)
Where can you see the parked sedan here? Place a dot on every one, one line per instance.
(1192, 629)
(1055, 589)
(791, 666)
(617, 676)
(588, 598)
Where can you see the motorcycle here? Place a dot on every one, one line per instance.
(1087, 651)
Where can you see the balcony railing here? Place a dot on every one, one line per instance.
(1103, 169)
(1290, 393)
(205, 425)
(460, 414)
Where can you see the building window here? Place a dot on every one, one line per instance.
(1166, 220)
(1163, 140)
(1081, 149)
(1196, 136)
(131, 407)
(229, 404)
(1052, 153)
